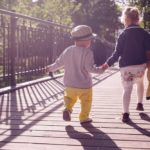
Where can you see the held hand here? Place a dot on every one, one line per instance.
(51, 74)
(104, 66)
(47, 70)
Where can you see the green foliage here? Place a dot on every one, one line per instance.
(7, 4)
(101, 15)
(54, 10)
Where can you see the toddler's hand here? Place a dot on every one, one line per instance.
(104, 66)
(47, 70)
(51, 74)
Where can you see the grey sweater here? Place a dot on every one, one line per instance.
(78, 63)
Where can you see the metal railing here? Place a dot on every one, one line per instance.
(27, 45)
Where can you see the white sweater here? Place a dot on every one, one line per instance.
(78, 63)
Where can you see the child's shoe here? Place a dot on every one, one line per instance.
(140, 107)
(89, 120)
(125, 117)
(67, 115)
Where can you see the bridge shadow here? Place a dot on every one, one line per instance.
(145, 117)
(21, 105)
(145, 132)
(94, 138)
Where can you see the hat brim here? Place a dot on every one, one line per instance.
(89, 38)
(85, 38)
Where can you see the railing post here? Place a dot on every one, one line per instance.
(27, 41)
(12, 50)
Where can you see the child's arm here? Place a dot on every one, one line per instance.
(117, 52)
(89, 64)
(58, 64)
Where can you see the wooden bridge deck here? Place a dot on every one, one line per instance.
(31, 119)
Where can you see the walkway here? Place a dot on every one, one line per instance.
(31, 119)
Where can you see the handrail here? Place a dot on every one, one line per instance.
(31, 18)
(25, 48)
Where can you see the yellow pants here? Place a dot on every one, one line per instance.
(148, 78)
(71, 95)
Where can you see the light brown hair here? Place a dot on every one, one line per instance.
(131, 13)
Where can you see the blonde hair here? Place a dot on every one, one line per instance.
(131, 13)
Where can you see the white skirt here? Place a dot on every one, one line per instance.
(131, 74)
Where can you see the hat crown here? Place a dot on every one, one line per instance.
(81, 32)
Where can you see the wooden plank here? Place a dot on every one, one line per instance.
(89, 142)
(33, 120)
(28, 146)
(63, 134)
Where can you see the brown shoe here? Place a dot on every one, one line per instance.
(67, 115)
(140, 107)
(125, 117)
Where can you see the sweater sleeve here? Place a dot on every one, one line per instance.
(89, 64)
(117, 53)
(58, 64)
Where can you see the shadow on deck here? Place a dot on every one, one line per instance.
(31, 118)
